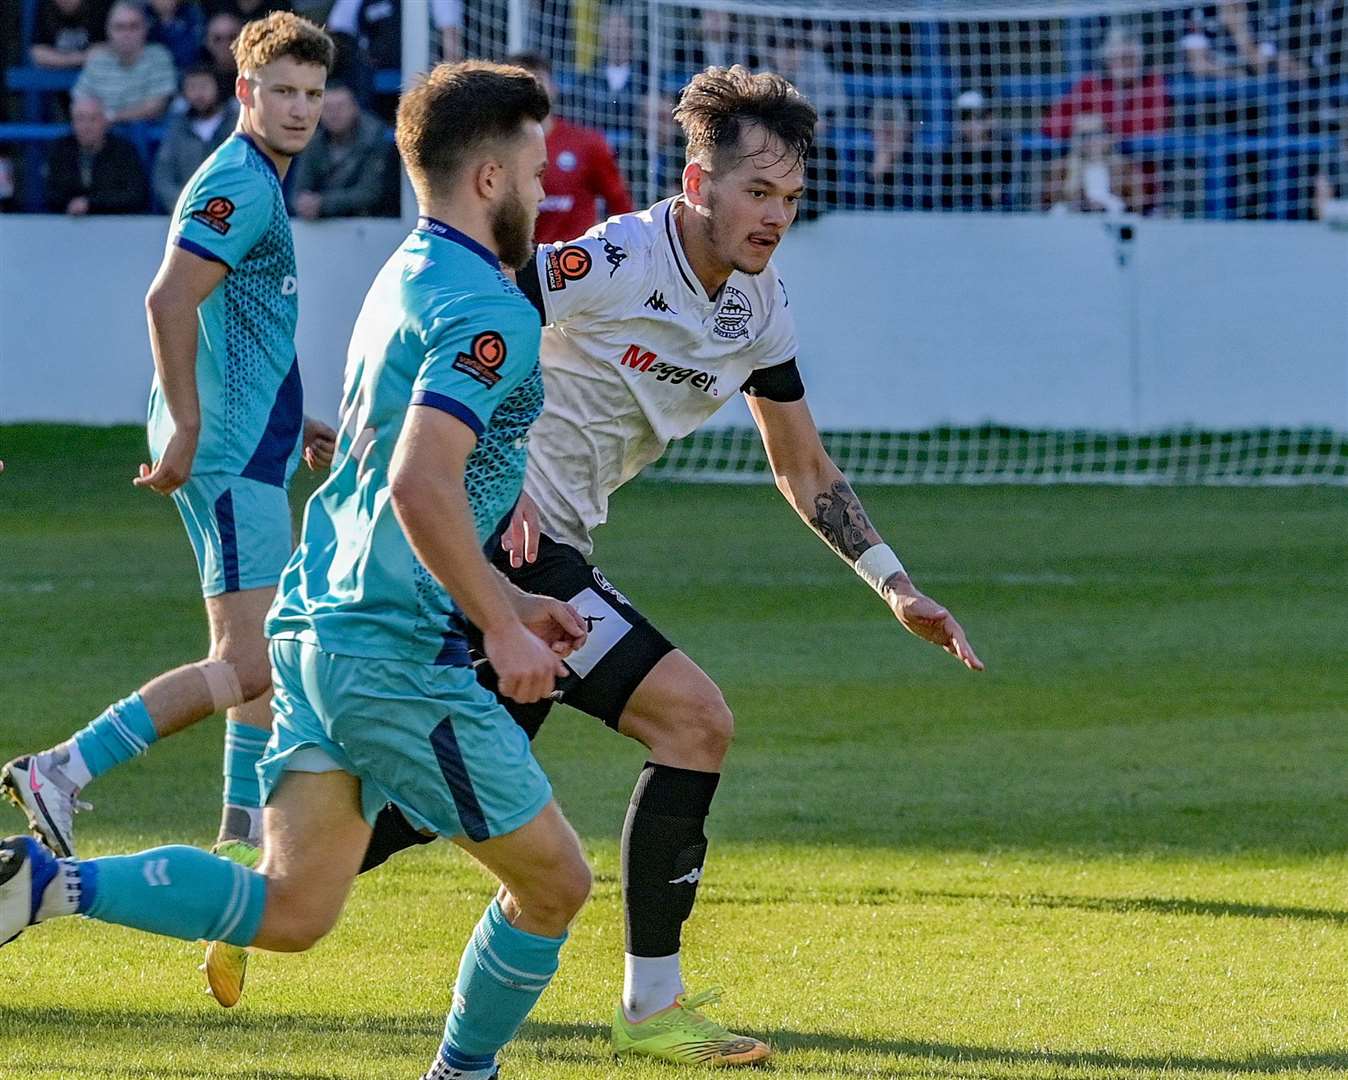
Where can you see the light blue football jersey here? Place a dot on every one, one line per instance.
(441, 327)
(248, 378)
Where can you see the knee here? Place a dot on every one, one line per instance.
(558, 897)
(293, 922)
(710, 724)
(251, 668)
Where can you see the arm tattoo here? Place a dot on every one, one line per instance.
(840, 519)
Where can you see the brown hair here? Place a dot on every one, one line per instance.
(455, 109)
(718, 105)
(282, 34)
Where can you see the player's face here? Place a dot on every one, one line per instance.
(750, 206)
(515, 213)
(283, 101)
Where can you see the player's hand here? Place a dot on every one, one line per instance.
(526, 668)
(520, 541)
(171, 471)
(320, 442)
(924, 617)
(554, 622)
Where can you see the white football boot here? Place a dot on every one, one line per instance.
(48, 798)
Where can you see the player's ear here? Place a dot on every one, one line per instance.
(243, 90)
(487, 178)
(694, 183)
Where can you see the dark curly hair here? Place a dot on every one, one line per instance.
(718, 105)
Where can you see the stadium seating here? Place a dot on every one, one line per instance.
(1218, 152)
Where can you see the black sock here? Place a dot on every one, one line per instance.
(392, 833)
(663, 850)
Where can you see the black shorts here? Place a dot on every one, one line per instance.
(621, 650)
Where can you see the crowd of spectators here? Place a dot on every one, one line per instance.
(1038, 115)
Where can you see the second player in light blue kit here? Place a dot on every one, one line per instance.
(375, 699)
(226, 432)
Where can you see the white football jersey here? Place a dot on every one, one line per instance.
(635, 354)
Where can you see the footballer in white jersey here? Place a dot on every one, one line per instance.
(635, 354)
(652, 322)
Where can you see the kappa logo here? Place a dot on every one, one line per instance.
(644, 360)
(484, 358)
(614, 254)
(602, 582)
(656, 302)
(691, 878)
(732, 317)
(215, 214)
(570, 263)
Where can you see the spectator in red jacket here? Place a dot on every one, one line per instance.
(581, 170)
(1131, 100)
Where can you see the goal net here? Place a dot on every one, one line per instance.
(1233, 110)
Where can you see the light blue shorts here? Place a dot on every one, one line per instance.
(427, 738)
(239, 529)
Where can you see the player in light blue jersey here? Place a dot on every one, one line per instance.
(375, 698)
(226, 431)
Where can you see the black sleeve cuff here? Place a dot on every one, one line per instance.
(527, 279)
(781, 382)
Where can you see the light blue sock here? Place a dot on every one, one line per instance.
(176, 891)
(243, 748)
(501, 975)
(119, 734)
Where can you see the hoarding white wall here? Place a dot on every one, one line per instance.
(906, 321)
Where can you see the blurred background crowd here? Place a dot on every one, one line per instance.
(1230, 109)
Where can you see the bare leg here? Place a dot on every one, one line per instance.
(544, 876)
(314, 837)
(46, 785)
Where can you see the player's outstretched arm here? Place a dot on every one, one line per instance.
(183, 282)
(817, 490)
(426, 487)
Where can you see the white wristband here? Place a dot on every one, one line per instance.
(877, 565)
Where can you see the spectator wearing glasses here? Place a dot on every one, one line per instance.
(132, 78)
(217, 51)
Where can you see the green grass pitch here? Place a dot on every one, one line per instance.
(1119, 853)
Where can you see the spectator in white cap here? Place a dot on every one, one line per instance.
(979, 168)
